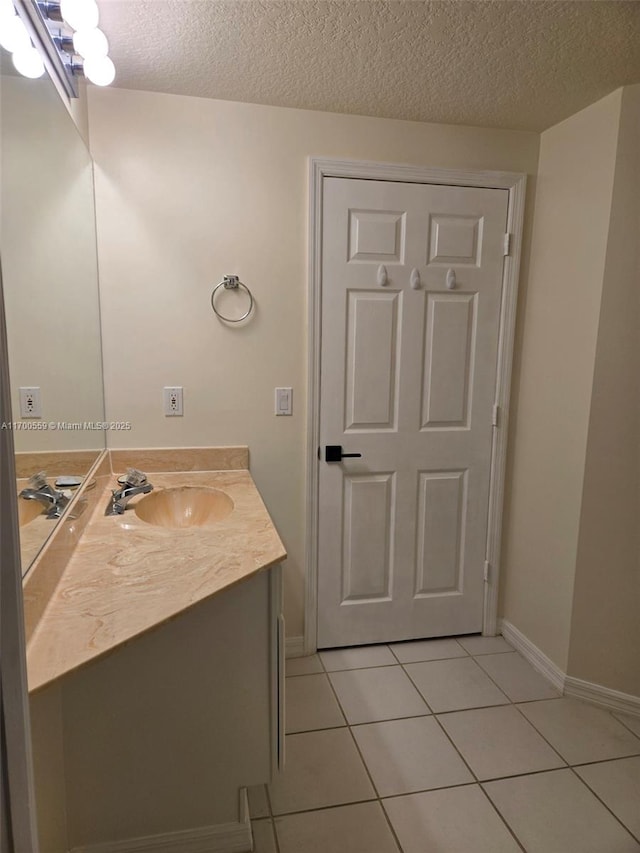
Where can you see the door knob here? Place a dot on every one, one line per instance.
(333, 453)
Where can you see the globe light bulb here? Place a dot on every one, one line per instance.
(80, 14)
(27, 61)
(6, 11)
(13, 34)
(100, 70)
(90, 43)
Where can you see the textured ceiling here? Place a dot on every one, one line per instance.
(523, 64)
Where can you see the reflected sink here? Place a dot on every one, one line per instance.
(184, 506)
(28, 510)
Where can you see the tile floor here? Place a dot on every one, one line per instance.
(446, 746)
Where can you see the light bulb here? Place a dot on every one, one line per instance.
(100, 70)
(13, 35)
(80, 14)
(90, 43)
(28, 62)
(6, 11)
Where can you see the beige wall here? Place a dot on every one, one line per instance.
(188, 190)
(554, 374)
(605, 628)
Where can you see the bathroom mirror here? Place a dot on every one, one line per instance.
(49, 270)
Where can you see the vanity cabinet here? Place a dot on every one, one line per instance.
(159, 737)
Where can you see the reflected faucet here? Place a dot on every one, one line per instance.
(135, 483)
(39, 490)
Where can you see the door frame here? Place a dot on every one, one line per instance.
(515, 183)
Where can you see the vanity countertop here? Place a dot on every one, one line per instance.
(126, 576)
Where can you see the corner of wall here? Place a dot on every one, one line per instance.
(605, 627)
(559, 328)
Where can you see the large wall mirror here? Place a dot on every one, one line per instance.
(50, 280)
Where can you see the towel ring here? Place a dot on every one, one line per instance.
(231, 282)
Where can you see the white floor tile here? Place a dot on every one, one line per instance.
(263, 837)
(419, 650)
(322, 769)
(453, 820)
(477, 645)
(517, 678)
(617, 783)
(372, 695)
(452, 685)
(498, 742)
(357, 657)
(311, 704)
(581, 732)
(360, 828)
(556, 813)
(303, 666)
(630, 722)
(258, 803)
(403, 756)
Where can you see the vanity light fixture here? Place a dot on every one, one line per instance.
(15, 38)
(62, 36)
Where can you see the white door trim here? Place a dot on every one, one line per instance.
(515, 183)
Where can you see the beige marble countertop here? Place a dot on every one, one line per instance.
(127, 576)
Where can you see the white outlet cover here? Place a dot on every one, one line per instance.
(173, 401)
(30, 403)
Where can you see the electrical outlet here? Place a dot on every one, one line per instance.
(173, 402)
(30, 403)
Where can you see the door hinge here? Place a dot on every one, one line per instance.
(487, 567)
(495, 416)
(506, 247)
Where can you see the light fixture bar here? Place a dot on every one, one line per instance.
(34, 20)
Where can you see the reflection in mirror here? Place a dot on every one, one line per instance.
(49, 270)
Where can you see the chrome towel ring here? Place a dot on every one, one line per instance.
(231, 282)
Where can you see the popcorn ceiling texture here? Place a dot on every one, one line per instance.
(519, 64)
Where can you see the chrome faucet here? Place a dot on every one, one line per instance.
(39, 490)
(135, 483)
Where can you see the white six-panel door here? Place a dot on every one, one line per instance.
(411, 293)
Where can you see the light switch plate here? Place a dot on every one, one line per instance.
(284, 401)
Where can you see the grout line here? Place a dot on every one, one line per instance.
(358, 668)
(275, 835)
(622, 722)
(598, 797)
(605, 760)
(390, 720)
(343, 725)
(545, 739)
(306, 674)
(271, 818)
(480, 783)
(503, 819)
(266, 788)
(364, 764)
(373, 799)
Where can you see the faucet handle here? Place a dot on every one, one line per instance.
(38, 481)
(133, 477)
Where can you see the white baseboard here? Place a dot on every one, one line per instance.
(614, 700)
(605, 697)
(538, 660)
(221, 838)
(294, 647)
